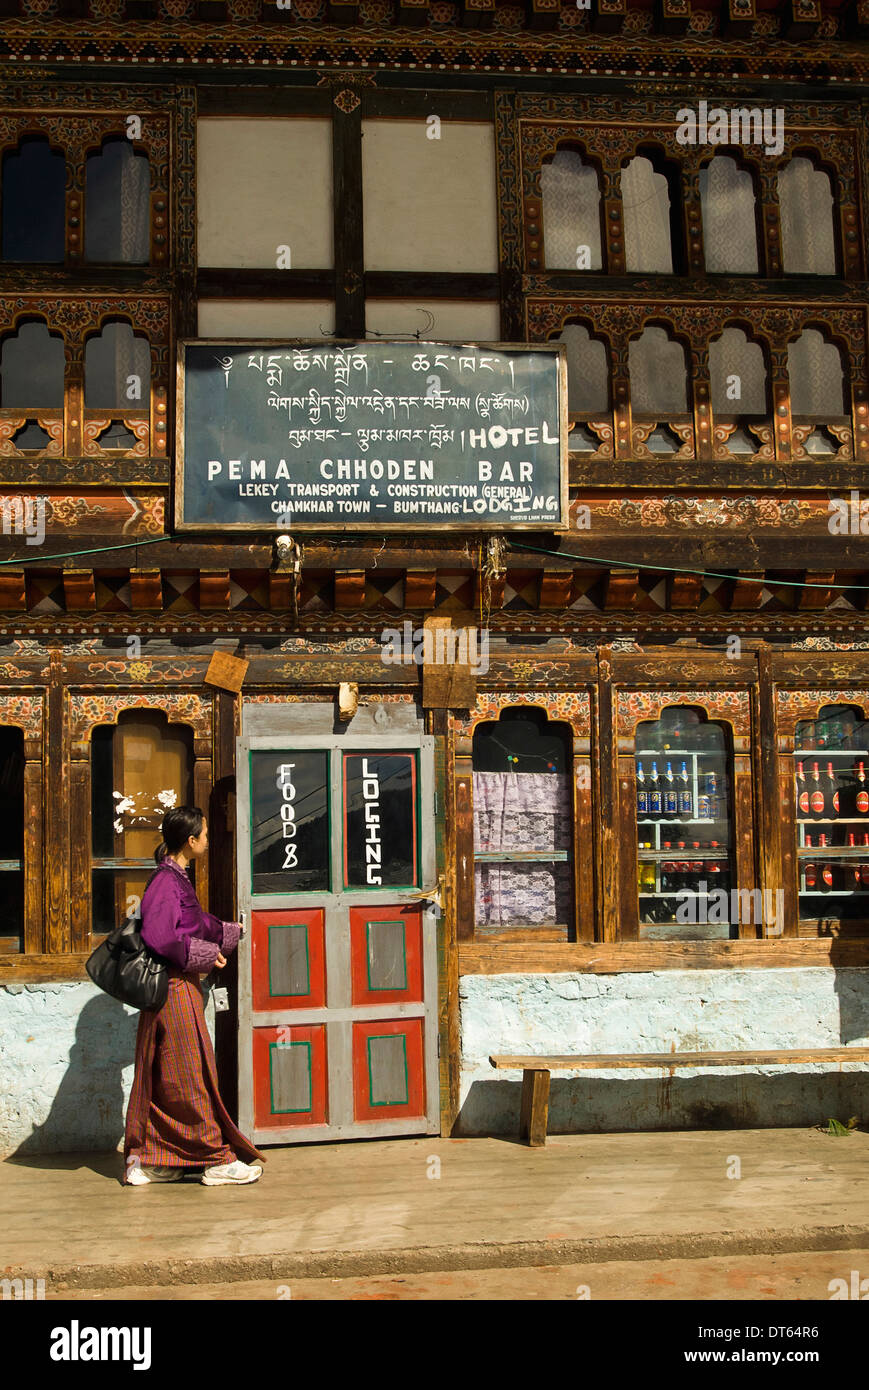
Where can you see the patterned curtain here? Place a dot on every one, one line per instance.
(646, 205)
(806, 209)
(815, 373)
(727, 208)
(732, 355)
(571, 212)
(522, 811)
(656, 366)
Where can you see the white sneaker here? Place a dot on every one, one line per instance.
(140, 1174)
(236, 1172)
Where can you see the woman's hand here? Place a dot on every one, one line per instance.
(220, 962)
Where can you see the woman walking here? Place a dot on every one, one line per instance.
(175, 1118)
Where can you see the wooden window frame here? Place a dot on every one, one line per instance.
(26, 710)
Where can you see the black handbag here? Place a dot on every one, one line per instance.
(125, 968)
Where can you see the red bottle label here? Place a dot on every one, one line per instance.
(827, 875)
(810, 876)
(836, 802)
(804, 803)
(862, 802)
(817, 802)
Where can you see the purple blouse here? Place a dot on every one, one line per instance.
(175, 927)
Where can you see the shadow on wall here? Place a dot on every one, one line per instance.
(89, 1107)
(588, 1104)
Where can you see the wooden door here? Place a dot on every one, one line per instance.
(337, 975)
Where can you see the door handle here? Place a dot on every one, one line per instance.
(431, 897)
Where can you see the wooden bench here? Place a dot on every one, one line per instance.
(536, 1071)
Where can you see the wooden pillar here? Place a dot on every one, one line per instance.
(776, 794)
(607, 789)
(221, 814)
(57, 820)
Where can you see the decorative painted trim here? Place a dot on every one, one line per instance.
(729, 706)
(85, 712)
(573, 707)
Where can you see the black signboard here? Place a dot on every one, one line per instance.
(370, 436)
(380, 820)
(289, 821)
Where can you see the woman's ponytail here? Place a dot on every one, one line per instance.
(160, 852)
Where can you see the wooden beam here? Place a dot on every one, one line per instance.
(13, 590)
(672, 17)
(79, 592)
(747, 590)
(420, 587)
(146, 590)
(214, 589)
(556, 587)
(542, 15)
(782, 1057)
(608, 16)
(432, 284)
(413, 13)
(342, 12)
(622, 587)
(217, 282)
(802, 19)
(737, 18)
(684, 592)
(614, 957)
(349, 589)
(347, 216)
(477, 14)
(817, 597)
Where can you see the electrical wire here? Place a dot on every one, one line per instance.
(683, 569)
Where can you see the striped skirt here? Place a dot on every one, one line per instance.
(175, 1117)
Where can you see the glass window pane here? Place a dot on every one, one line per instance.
(806, 208)
(381, 837)
(684, 825)
(31, 369)
(34, 182)
(831, 756)
(117, 204)
(12, 861)
(571, 213)
(289, 821)
(728, 212)
(646, 207)
(111, 358)
(523, 824)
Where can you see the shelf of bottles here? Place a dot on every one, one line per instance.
(684, 873)
(831, 771)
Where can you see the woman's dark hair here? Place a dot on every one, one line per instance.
(178, 825)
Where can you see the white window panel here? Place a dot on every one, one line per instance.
(264, 318)
(429, 204)
(261, 184)
(438, 320)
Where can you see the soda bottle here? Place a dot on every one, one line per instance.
(820, 734)
(864, 868)
(862, 801)
(696, 868)
(832, 794)
(666, 871)
(802, 793)
(642, 794)
(852, 871)
(671, 796)
(655, 800)
(712, 793)
(686, 796)
(826, 875)
(816, 795)
(680, 868)
(810, 873)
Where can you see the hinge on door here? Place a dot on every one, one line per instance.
(439, 1044)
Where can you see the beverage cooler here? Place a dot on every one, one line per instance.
(831, 800)
(684, 809)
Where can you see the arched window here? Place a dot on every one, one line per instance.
(727, 205)
(656, 365)
(684, 827)
(831, 756)
(140, 767)
(523, 824)
(571, 213)
(588, 378)
(31, 369)
(34, 184)
(117, 204)
(738, 375)
(117, 369)
(806, 210)
(816, 376)
(649, 207)
(12, 864)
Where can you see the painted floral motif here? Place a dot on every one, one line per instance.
(634, 706)
(709, 512)
(181, 708)
(573, 707)
(23, 711)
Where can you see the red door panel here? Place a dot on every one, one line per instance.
(386, 954)
(289, 1076)
(388, 1069)
(288, 958)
